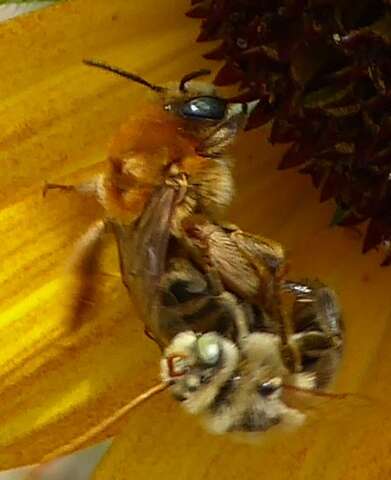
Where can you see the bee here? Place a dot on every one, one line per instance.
(253, 269)
(210, 295)
(241, 385)
(168, 161)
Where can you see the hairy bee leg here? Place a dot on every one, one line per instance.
(318, 325)
(238, 313)
(321, 355)
(149, 335)
(220, 137)
(214, 282)
(261, 250)
(56, 186)
(91, 188)
(317, 305)
(313, 343)
(84, 264)
(229, 301)
(268, 258)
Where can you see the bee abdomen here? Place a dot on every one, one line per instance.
(188, 303)
(198, 314)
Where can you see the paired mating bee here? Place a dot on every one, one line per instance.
(235, 334)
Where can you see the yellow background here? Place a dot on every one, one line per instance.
(56, 117)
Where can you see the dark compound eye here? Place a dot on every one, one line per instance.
(268, 388)
(210, 108)
(209, 349)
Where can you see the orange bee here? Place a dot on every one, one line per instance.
(167, 162)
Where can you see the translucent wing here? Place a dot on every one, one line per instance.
(142, 251)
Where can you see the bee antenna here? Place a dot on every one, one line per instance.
(123, 73)
(320, 393)
(191, 76)
(101, 428)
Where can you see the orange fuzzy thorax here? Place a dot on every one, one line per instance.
(140, 155)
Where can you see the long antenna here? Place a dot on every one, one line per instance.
(83, 439)
(123, 73)
(320, 393)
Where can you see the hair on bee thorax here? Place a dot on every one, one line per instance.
(149, 147)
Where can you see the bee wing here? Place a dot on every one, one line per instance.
(84, 263)
(142, 251)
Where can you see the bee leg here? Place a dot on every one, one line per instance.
(92, 188)
(261, 251)
(318, 336)
(148, 334)
(229, 302)
(312, 344)
(214, 281)
(316, 307)
(220, 137)
(268, 258)
(320, 355)
(238, 313)
(84, 264)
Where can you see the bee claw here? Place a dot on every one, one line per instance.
(55, 186)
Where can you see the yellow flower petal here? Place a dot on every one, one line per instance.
(56, 118)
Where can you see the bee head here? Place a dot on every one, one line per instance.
(201, 113)
(196, 366)
(211, 119)
(235, 389)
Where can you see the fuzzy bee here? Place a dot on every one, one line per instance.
(242, 385)
(167, 161)
(209, 294)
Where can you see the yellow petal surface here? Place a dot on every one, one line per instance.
(56, 118)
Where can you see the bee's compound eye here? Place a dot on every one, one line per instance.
(209, 348)
(209, 108)
(268, 388)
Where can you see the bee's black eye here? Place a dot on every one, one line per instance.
(268, 388)
(210, 108)
(209, 348)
